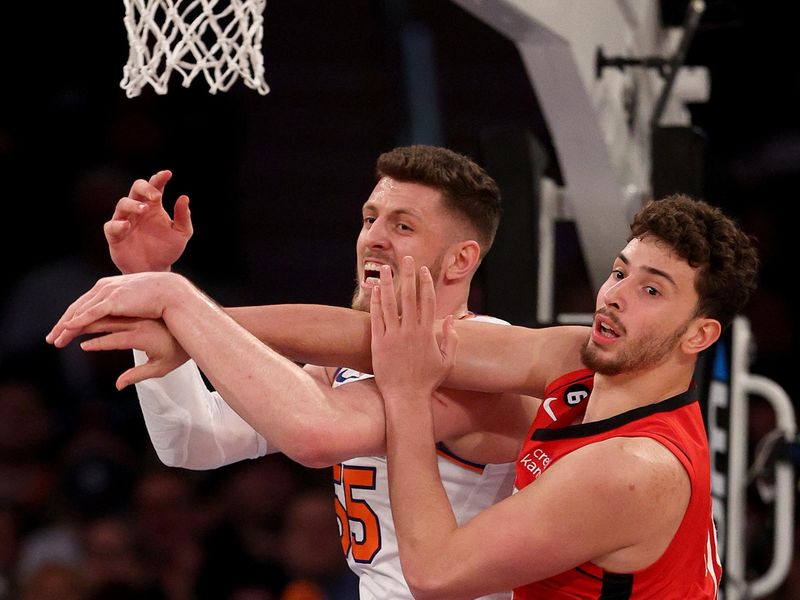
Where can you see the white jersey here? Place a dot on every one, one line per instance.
(192, 427)
(365, 519)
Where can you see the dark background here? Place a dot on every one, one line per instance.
(277, 181)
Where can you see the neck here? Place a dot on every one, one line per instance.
(615, 394)
(451, 300)
(458, 310)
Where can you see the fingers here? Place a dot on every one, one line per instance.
(82, 313)
(182, 221)
(388, 301)
(427, 298)
(115, 231)
(58, 328)
(137, 374)
(151, 190)
(146, 192)
(109, 341)
(126, 213)
(408, 290)
(377, 325)
(86, 316)
(160, 179)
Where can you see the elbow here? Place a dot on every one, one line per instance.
(426, 584)
(421, 590)
(311, 446)
(169, 457)
(428, 590)
(309, 455)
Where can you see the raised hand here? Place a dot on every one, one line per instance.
(141, 235)
(408, 360)
(164, 353)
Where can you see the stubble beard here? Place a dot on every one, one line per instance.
(648, 353)
(361, 299)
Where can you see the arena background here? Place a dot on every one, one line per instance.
(276, 184)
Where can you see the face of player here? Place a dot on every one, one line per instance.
(643, 309)
(400, 219)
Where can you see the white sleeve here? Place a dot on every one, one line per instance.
(189, 425)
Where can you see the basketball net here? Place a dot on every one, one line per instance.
(220, 39)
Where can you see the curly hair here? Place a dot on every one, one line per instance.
(707, 239)
(465, 187)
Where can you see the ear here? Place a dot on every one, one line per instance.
(462, 260)
(702, 333)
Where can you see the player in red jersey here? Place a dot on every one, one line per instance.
(616, 505)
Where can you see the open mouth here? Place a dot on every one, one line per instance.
(372, 273)
(606, 331)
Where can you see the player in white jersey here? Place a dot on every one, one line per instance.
(429, 203)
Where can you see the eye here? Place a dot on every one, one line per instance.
(404, 227)
(617, 274)
(367, 221)
(652, 291)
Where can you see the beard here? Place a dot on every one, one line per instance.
(647, 353)
(361, 298)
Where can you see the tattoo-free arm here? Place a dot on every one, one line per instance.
(491, 357)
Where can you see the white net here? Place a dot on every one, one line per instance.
(220, 39)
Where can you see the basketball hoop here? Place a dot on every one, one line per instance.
(219, 38)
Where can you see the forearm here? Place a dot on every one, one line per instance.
(268, 391)
(311, 333)
(491, 358)
(422, 514)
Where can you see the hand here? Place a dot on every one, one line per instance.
(407, 359)
(142, 295)
(141, 235)
(164, 353)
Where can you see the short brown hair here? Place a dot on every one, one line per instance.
(465, 187)
(707, 239)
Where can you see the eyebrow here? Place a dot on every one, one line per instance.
(651, 270)
(411, 212)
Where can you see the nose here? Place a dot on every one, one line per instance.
(377, 235)
(614, 294)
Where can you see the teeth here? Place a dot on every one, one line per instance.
(606, 331)
(372, 272)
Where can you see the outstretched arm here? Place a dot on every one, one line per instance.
(295, 410)
(492, 358)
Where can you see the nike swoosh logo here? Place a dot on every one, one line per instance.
(346, 374)
(547, 409)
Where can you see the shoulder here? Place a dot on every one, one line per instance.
(639, 459)
(640, 477)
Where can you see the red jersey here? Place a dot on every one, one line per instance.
(689, 568)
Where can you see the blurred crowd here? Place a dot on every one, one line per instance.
(87, 512)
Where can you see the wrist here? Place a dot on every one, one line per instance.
(175, 291)
(406, 396)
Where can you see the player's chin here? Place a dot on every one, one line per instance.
(361, 298)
